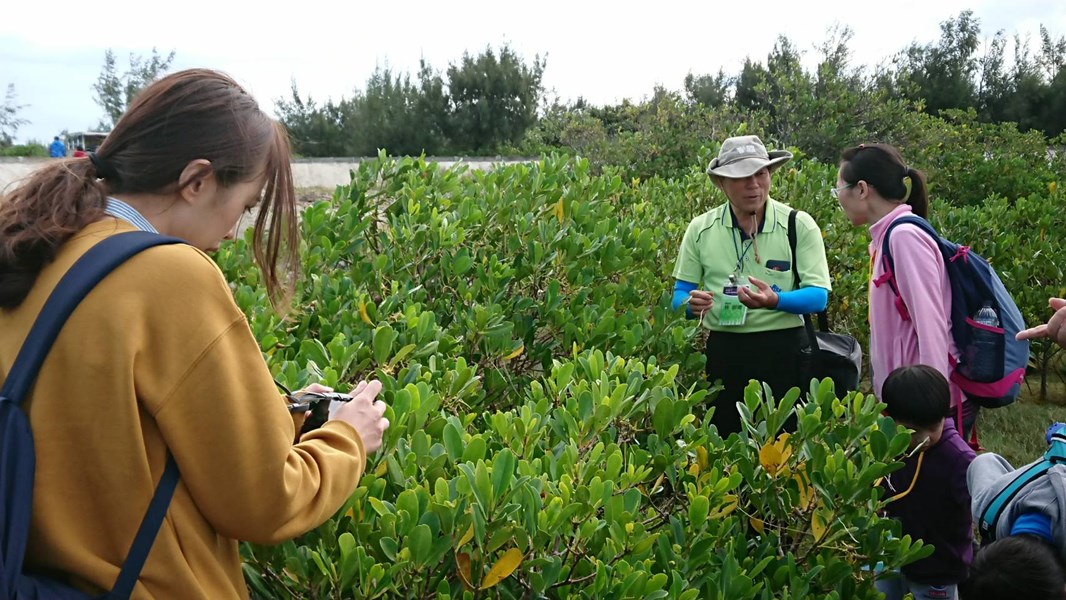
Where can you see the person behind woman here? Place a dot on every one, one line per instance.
(734, 271)
(872, 188)
(159, 359)
(1024, 544)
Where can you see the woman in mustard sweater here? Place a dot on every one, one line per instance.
(159, 359)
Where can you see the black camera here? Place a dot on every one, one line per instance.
(316, 402)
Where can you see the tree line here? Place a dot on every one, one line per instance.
(495, 102)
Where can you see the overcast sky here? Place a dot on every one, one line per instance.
(53, 50)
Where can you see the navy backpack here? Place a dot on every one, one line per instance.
(974, 284)
(17, 459)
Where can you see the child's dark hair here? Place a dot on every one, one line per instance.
(1020, 566)
(882, 167)
(918, 395)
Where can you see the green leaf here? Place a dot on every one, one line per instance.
(699, 508)
(384, 337)
(462, 262)
(503, 467)
(475, 449)
(453, 442)
(663, 418)
(420, 542)
(389, 547)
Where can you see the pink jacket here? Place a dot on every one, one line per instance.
(925, 290)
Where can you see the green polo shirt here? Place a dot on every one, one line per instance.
(713, 246)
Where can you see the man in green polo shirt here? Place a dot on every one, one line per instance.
(735, 273)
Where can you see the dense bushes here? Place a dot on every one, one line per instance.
(549, 410)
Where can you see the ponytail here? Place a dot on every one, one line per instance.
(38, 216)
(918, 197)
(186, 116)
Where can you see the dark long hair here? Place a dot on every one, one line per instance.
(189, 115)
(882, 167)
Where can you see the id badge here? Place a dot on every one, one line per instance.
(733, 313)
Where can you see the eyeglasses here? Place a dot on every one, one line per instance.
(836, 191)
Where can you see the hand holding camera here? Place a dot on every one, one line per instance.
(360, 408)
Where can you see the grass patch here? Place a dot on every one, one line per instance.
(1016, 432)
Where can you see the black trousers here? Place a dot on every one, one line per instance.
(779, 358)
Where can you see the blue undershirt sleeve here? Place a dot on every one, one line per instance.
(681, 292)
(803, 301)
(1038, 524)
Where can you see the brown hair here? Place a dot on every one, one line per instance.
(189, 115)
(882, 167)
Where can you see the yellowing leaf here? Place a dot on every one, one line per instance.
(658, 483)
(727, 507)
(818, 526)
(758, 525)
(463, 560)
(806, 491)
(559, 214)
(382, 469)
(703, 459)
(774, 456)
(503, 568)
(363, 314)
(469, 535)
(516, 353)
(694, 469)
(1051, 187)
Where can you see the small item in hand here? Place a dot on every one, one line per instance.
(731, 288)
(317, 402)
(732, 313)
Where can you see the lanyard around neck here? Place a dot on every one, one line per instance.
(752, 242)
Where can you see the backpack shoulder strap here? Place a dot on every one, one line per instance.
(992, 513)
(1055, 455)
(886, 251)
(78, 281)
(823, 317)
(792, 247)
(82, 277)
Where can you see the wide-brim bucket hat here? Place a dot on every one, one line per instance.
(745, 155)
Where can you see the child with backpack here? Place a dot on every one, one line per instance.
(145, 394)
(1021, 516)
(931, 301)
(929, 496)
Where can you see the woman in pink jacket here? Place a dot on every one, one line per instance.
(875, 187)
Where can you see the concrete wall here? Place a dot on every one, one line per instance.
(307, 172)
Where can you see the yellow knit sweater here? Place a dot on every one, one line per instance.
(159, 357)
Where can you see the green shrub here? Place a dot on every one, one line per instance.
(549, 432)
(25, 150)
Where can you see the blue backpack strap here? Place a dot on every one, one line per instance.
(88, 271)
(146, 534)
(886, 252)
(990, 516)
(79, 280)
(1055, 455)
